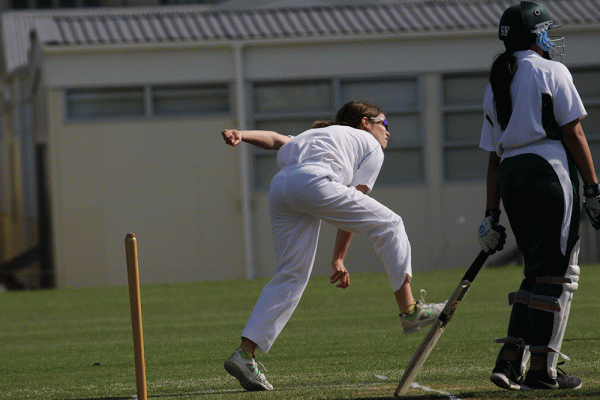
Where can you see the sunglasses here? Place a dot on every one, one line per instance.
(383, 121)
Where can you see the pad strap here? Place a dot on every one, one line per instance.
(546, 303)
(520, 296)
(512, 340)
(553, 279)
(541, 302)
(547, 350)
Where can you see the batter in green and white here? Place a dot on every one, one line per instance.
(537, 146)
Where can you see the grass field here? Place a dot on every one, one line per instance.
(339, 344)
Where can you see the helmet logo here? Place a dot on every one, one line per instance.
(504, 30)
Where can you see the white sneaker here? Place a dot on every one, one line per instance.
(425, 314)
(247, 372)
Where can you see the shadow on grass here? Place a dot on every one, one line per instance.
(102, 398)
(175, 395)
(430, 396)
(424, 397)
(580, 339)
(591, 393)
(161, 396)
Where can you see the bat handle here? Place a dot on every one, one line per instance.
(475, 267)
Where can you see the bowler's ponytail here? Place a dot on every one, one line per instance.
(351, 114)
(321, 124)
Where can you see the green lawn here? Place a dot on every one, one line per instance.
(339, 344)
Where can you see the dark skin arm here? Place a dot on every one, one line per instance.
(493, 187)
(577, 145)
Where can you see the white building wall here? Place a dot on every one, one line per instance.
(131, 65)
(162, 181)
(176, 185)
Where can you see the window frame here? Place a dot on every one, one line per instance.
(336, 84)
(148, 98)
(593, 137)
(459, 108)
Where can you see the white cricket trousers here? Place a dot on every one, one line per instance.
(300, 197)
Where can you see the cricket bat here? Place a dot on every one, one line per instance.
(438, 327)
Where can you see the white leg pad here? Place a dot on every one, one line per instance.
(560, 309)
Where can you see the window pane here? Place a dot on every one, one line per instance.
(398, 98)
(67, 3)
(19, 4)
(265, 161)
(462, 121)
(595, 150)
(386, 94)
(293, 97)
(463, 126)
(266, 168)
(405, 130)
(591, 127)
(43, 4)
(587, 83)
(466, 163)
(591, 123)
(298, 104)
(109, 102)
(465, 89)
(290, 127)
(401, 166)
(192, 99)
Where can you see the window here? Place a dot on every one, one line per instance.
(192, 99)
(265, 161)
(399, 100)
(168, 2)
(105, 102)
(288, 108)
(587, 82)
(293, 97)
(140, 102)
(23, 4)
(291, 107)
(462, 121)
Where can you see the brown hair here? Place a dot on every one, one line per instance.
(351, 114)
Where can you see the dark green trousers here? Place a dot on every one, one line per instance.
(533, 199)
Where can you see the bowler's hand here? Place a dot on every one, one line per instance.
(340, 274)
(232, 137)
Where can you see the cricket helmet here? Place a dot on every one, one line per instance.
(525, 23)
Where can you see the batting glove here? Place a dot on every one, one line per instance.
(492, 236)
(592, 203)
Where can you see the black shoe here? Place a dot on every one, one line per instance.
(541, 380)
(505, 376)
